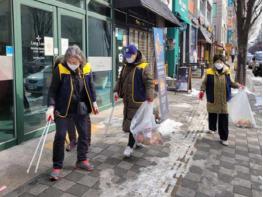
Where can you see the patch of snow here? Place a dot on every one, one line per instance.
(169, 126)
(183, 105)
(193, 93)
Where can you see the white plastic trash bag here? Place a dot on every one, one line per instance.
(240, 111)
(144, 127)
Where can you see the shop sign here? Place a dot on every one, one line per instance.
(100, 63)
(64, 45)
(183, 83)
(49, 46)
(6, 71)
(9, 50)
(160, 68)
(37, 48)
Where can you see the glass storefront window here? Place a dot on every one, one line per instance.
(77, 3)
(71, 31)
(6, 73)
(100, 57)
(37, 25)
(99, 8)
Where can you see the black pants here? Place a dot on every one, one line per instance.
(222, 124)
(72, 131)
(82, 123)
(131, 141)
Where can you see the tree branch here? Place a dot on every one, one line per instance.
(255, 18)
(235, 5)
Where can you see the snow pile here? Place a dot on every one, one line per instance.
(193, 93)
(169, 126)
(182, 105)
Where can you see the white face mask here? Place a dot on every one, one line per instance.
(73, 67)
(219, 66)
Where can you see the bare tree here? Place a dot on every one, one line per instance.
(247, 13)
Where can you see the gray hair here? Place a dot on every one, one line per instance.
(75, 51)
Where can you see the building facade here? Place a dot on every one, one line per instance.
(220, 23)
(34, 32)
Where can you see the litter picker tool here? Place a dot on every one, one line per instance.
(40, 146)
(109, 121)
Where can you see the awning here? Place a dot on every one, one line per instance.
(205, 35)
(155, 6)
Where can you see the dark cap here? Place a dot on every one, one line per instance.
(130, 50)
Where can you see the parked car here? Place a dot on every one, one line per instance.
(257, 68)
(36, 66)
(35, 83)
(249, 60)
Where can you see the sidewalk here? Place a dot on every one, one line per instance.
(189, 162)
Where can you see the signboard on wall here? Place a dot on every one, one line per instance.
(183, 83)
(160, 68)
(6, 69)
(64, 45)
(48, 46)
(100, 63)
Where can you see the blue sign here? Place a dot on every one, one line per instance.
(9, 50)
(159, 56)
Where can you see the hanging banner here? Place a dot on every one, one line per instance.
(160, 68)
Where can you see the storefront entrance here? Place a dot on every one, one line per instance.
(43, 33)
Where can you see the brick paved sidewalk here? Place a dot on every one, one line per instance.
(190, 163)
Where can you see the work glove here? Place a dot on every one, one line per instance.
(116, 96)
(95, 108)
(50, 113)
(241, 87)
(201, 95)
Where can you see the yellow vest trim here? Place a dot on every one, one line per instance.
(210, 71)
(63, 70)
(143, 65)
(87, 69)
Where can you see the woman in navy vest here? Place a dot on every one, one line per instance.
(217, 84)
(71, 97)
(135, 85)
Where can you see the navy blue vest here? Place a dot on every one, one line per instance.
(138, 87)
(64, 94)
(210, 85)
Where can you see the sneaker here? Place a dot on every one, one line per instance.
(84, 165)
(128, 151)
(139, 145)
(55, 174)
(71, 146)
(224, 142)
(210, 132)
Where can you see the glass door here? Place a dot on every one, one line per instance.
(44, 32)
(71, 29)
(35, 43)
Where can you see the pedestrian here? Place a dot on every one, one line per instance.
(217, 84)
(71, 96)
(135, 85)
(71, 126)
(233, 54)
